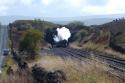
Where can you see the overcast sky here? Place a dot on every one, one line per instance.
(60, 8)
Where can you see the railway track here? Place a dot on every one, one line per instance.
(116, 64)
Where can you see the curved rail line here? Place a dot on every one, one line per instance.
(115, 63)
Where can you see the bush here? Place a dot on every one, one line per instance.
(79, 36)
(43, 76)
(118, 42)
(7, 63)
(31, 41)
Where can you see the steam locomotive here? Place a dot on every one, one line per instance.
(49, 37)
(63, 43)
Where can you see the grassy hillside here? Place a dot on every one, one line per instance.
(117, 29)
(19, 27)
(81, 34)
(114, 26)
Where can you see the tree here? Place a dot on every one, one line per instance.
(31, 41)
(119, 40)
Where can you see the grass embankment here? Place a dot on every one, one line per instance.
(85, 71)
(78, 71)
(99, 48)
(103, 49)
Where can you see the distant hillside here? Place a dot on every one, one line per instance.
(88, 20)
(97, 21)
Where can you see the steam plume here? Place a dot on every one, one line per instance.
(62, 34)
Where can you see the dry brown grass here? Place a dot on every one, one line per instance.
(99, 48)
(86, 71)
(17, 79)
(77, 71)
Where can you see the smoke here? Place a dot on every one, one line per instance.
(62, 34)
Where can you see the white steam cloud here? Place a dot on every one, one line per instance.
(62, 34)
